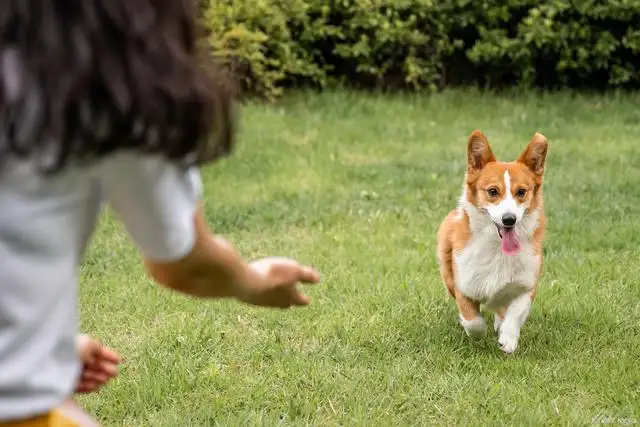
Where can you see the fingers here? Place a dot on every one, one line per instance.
(305, 275)
(283, 297)
(91, 382)
(109, 355)
(96, 377)
(296, 298)
(308, 275)
(280, 287)
(290, 272)
(87, 388)
(109, 369)
(102, 372)
(301, 299)
(91, 351)
(286, 269)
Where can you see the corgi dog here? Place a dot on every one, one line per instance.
(490, 248)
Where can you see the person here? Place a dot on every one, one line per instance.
(115, 92)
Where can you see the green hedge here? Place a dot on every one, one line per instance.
(272, 44)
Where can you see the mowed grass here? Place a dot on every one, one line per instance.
(356, 185)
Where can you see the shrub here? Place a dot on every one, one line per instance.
(260, 41)
(419, 44)
(579, 43)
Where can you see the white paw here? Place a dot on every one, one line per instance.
(497, 322)
(508, 342)
(475, 328)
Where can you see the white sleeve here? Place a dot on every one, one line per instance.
(156, 200)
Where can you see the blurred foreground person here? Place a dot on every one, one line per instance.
(115, 92)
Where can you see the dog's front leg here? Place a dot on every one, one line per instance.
(515, 316)
(470, 318)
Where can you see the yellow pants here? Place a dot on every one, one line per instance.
(53, 419)
(68, 415)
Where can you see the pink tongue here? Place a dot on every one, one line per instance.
(510, 244)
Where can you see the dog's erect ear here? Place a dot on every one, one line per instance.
(535, 154)
(478, 151)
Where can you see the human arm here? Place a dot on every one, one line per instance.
(213, 269)
(159, 204)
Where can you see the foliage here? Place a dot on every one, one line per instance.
(428, 44)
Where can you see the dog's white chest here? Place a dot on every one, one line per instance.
(487, 275)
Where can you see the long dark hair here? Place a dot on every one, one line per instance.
(80, 79)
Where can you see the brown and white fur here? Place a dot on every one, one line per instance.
(490, 247)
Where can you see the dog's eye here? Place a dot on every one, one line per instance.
(521, 192)
(493, 192)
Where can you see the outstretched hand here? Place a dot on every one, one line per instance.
(278, 280)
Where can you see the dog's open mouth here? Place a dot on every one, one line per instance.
(509, 241)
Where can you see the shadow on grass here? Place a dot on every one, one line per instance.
(548, 335)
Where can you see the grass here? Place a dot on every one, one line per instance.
(356, 185)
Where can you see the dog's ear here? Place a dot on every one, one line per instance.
(478, 152)
(535, 154)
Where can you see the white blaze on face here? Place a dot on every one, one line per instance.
(506, 205)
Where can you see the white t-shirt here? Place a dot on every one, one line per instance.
(45, 223)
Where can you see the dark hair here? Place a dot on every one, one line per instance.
(80, 79)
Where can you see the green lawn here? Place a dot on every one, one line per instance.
(357, 185)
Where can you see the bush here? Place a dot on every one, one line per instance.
(429, 44)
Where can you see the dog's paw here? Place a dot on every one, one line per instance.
(508, 342)
(475, 328)
(497, 322)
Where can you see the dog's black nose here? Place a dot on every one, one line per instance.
(508, 220)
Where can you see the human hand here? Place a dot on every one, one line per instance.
(100, 364)
(277, 283)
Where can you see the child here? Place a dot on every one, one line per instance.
(110, 91)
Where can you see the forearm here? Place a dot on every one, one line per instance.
(220, 272)
(213, 269)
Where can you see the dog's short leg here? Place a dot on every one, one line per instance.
(445, 259)
(470, 317)
(515, 316)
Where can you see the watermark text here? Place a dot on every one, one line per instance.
(608, 419)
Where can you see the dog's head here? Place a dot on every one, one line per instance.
(507, 192)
